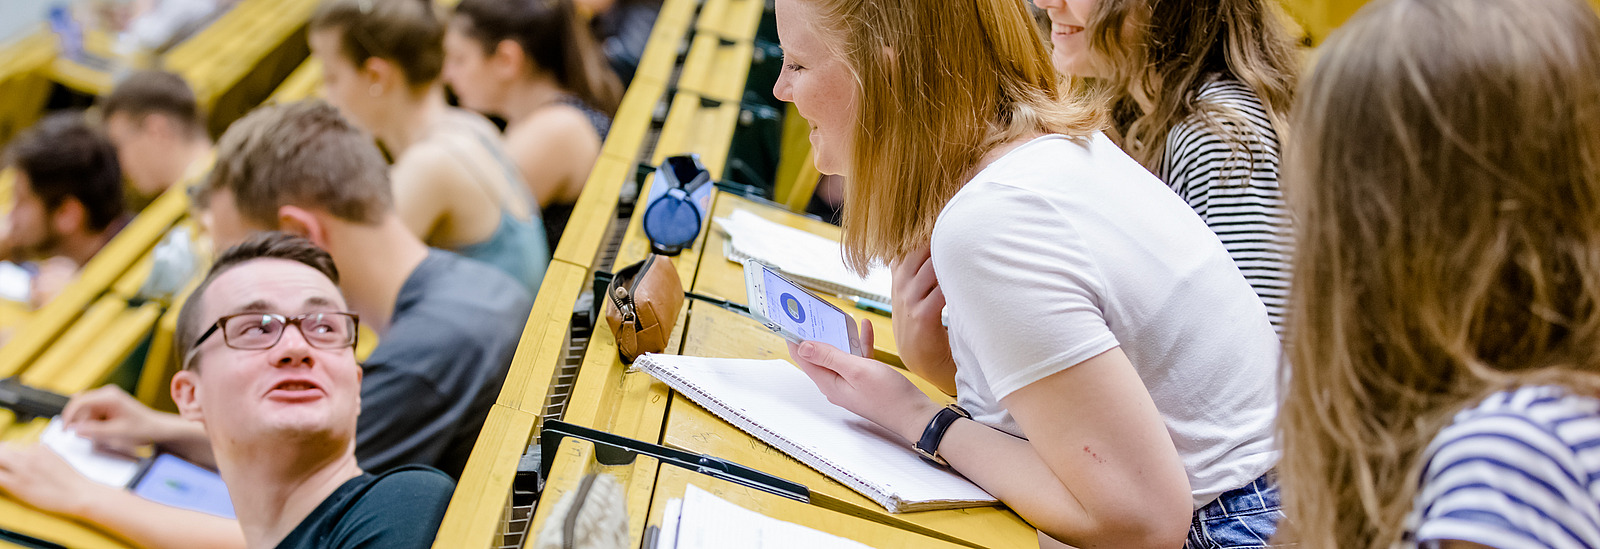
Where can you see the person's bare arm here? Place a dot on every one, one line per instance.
(37, 477)
(422, 196)
(918, 302)
(554, 151)
(1098, 469)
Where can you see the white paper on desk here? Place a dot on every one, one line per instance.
(774, 401)
(103, 467)
(809, 259)
(705, 521)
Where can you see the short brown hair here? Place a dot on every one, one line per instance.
(408, 33)
(63, 156)
(261, 245)
(303, 154)
(156, 92)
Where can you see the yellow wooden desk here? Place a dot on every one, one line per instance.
(24, 82)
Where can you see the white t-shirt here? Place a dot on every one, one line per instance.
(1060, 251)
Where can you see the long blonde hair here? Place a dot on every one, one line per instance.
(939, 85)
(1166, 50)
(1446, 174)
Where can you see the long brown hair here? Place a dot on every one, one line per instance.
(1166, 50)
(1446, 174)
(554, 39)
(939, 85)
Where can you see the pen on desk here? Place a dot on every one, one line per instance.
(869, 305)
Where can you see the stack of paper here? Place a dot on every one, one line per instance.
(704, 521)
(809, 259)
(775, 402)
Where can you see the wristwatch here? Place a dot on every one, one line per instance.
(928, 445)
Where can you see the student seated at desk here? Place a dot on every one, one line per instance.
(159, 132)
(534, 64)
(1118, 369)
(454, 185)
(1444, 390)
(270, 374)
(447, 325)
(1199, 92)
(66, 201)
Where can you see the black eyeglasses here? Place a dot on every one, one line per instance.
(255, 331)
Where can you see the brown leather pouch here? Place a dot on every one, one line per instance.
(642, 304)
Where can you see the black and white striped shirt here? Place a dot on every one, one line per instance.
(1233, 185)
(1519, 470)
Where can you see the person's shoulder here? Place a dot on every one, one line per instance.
(447, 288)
(555, 124)
(410, 482)
(1534, 411)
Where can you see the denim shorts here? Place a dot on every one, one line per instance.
(1242, 517)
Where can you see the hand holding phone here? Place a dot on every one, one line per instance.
(797, 314)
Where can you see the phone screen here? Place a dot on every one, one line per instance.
(172, 481)
(802, 314)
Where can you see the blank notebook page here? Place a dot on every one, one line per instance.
(704, 521)
(775, 402)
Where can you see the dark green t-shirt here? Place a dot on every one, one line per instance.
(398, 509)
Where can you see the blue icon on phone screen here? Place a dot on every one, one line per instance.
(791, 307)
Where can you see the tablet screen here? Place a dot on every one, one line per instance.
(172, 481)
(802, 314)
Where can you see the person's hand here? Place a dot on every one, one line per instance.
(869, 388)
(917, 301)
(114, 420)
(37, 476)
(53, 277)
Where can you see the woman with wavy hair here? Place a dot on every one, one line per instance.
(1198, 91)
(1113, 369)
(454, 184)
(1445, 326)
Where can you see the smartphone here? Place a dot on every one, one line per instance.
(796, 314)
(171, 480)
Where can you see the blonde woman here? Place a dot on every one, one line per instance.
(454, 185)
(1117, 368)
(1446, 313)
(1198, 91)
(535, 64)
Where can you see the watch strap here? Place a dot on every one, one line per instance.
(928, 445)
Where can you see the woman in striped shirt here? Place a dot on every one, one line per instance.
(1198, 90)
(1445, 319)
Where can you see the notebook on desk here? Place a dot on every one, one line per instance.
(809, 259)
(774, 401)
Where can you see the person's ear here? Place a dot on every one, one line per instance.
(186, 394)
(70, 217)
(302, 222)
(380, 75)
(507, 59)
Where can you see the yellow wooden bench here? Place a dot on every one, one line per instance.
(24, 82)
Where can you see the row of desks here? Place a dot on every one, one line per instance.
(701, 110)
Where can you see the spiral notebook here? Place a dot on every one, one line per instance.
(811, 260)
(775, 402)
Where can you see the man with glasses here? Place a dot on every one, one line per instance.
(447, 326)
(272, 378)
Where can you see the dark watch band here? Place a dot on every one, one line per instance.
(928, 445)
